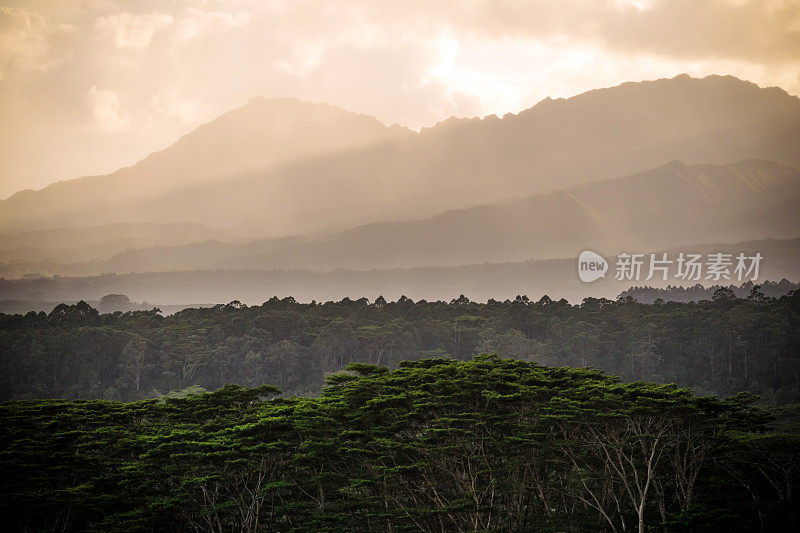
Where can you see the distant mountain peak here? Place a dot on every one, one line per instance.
(298, 166)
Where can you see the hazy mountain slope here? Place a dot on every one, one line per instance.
(98, 242)
(611, 132)
(671, 205)
(458, 163)
(261, 135)
(554, 277)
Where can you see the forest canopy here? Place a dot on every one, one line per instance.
(435, 445)
(724, 345)
(389, 416)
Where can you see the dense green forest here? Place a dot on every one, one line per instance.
(417, 429)
(720, 346)
(436, 445)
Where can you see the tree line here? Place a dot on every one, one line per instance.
(438, 445)
(722, 346)
(698, 292)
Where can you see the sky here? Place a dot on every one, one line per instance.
(89, 86)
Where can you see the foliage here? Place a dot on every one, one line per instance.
(435, 445)
(722, 346)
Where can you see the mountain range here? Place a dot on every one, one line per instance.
(283, 184)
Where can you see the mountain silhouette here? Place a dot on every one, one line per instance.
(282, 167)
(260, 136)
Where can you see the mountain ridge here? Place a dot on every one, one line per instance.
(253, 101)
(616, 131)
(228, 145)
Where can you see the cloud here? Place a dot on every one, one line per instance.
(196, 21)
(129, 31)
(106, 110)
(172, 103)
(752, 30)
(25, 39)
(303, 59)
(765, 31)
